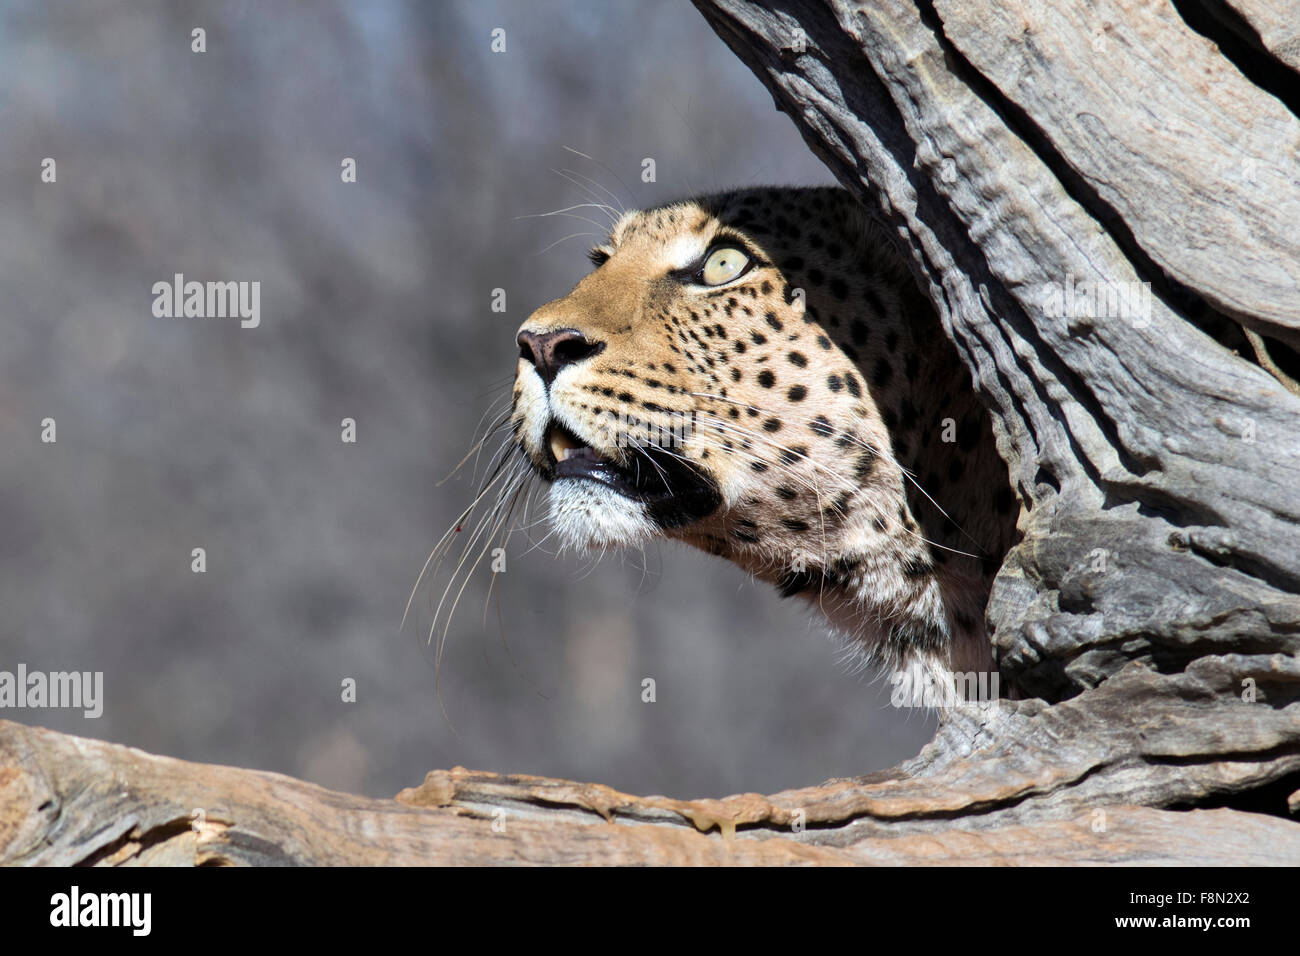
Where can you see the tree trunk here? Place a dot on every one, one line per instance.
(1102, 201)
(1029, 153)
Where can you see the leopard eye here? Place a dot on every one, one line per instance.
(724, 264)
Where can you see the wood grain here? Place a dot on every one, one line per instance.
(1016, 148)
(70, 801)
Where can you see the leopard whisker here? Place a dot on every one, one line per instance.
(588, 193)
(601, 186)
(445, 541)
(592, 159)
(475, 449)
(916, 534)
(572, 235)
(566, 212)
(491, 515)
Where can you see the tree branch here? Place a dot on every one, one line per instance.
(68, 801)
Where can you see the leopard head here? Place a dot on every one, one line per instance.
(743, 372)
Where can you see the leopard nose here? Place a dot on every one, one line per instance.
(551, 351)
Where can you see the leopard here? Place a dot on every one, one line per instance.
(757, 373)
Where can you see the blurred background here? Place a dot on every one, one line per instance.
(179, 433)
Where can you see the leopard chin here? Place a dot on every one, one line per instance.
(589, 516)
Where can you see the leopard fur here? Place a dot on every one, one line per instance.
(835, 446)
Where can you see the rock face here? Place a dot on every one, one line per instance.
(1102, 203)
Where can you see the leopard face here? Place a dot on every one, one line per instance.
(754, 373)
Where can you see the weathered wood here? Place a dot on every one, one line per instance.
(1015, 149)
(1276, 24)
(1204, 170)
(66, 801)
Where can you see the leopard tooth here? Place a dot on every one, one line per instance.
(560, 445)
(563, 447)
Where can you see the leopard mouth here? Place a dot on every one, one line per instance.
(675, 490)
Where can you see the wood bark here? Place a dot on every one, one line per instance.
(70, 801)
(1150, 615)
(1018, 149)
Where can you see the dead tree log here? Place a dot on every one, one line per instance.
(1101, 200)
(68, 801)
(1031, 153)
